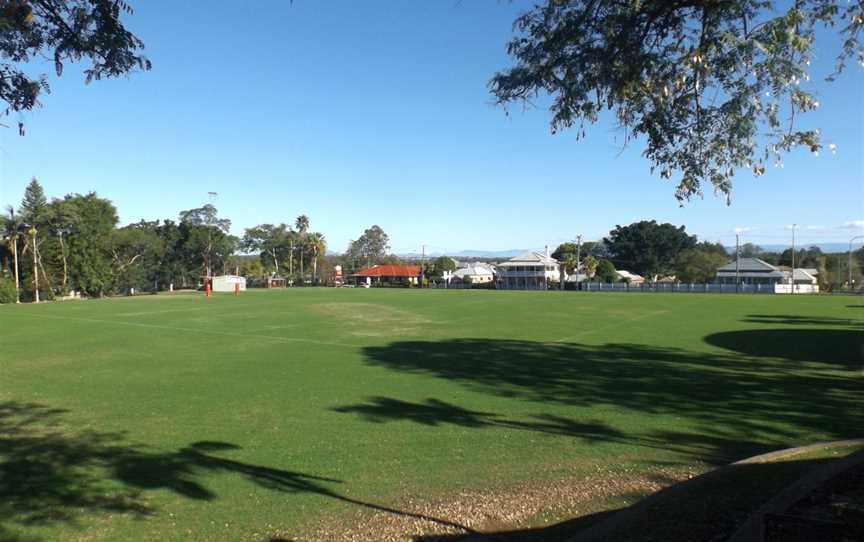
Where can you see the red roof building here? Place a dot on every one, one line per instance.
(407, 274)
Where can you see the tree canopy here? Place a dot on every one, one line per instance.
(441, 265)
(698, 266)
(369, 248)
(270, 241)
(647, 248)
(63, 31)
(711, 86)
(606, 271)
(207, 215)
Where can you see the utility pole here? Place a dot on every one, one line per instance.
(850, 258)
(578, 257)
(792, 279)
(737, 261)
(422, 264)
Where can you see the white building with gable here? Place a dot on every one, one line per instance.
(528, 271)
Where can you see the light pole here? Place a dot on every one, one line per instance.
(792, 278)
(210, 196)
(850, 257)
(737, 261)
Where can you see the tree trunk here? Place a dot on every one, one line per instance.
(291, 261)
(35, 270)
(315, 268)
(15, 263)
(46, 278)
(301, 266)
(65, 265)
(275, 261)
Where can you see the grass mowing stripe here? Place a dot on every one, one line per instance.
(196, 330)
(596, 330)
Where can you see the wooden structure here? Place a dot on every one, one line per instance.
(275, 282)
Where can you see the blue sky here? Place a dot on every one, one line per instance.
(360, 113)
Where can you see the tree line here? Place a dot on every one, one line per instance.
(74, 244)
(655, 251)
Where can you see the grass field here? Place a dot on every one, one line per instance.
(302, 413)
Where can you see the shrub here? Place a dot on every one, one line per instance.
(7, 290)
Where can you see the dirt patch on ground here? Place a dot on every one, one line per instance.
(370, 319)
(471, 514)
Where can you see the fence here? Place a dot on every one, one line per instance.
(682, 288)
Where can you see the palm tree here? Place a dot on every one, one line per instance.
(318, 246)
(590, 266)
(12, 231)
(302, 225)
(568, 266)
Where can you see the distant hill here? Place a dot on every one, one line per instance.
(486, 254)
(826, 247)
(506, 254)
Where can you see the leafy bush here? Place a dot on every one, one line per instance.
(7, 290)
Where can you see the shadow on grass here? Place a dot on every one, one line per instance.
(709, 507)
(788, 319)
(841, 347)
(434, 412)
(739, 405)
(50, 476)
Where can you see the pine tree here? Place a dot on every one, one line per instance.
(34, 212)
(34, 206)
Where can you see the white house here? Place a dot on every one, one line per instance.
(630, 278)
(478, 272)
(750, 271)
(753, 271)
(528, 271)
(805, 276)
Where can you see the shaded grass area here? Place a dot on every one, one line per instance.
(182, 418)
(708, 507)
(47, 476)
(734, 401)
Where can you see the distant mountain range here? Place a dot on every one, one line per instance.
(504, 254)
(468, 254)
(826, 247)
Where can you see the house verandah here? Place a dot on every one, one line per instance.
(528, 271)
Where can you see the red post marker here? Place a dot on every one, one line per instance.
(207, 289)
(236, 288)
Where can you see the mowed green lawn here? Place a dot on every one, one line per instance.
(240, 418)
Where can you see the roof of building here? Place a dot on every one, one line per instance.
(529, 258)
(474, 269)
(805, 274)
(748, 265)
(628, 275)
(390, 271)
